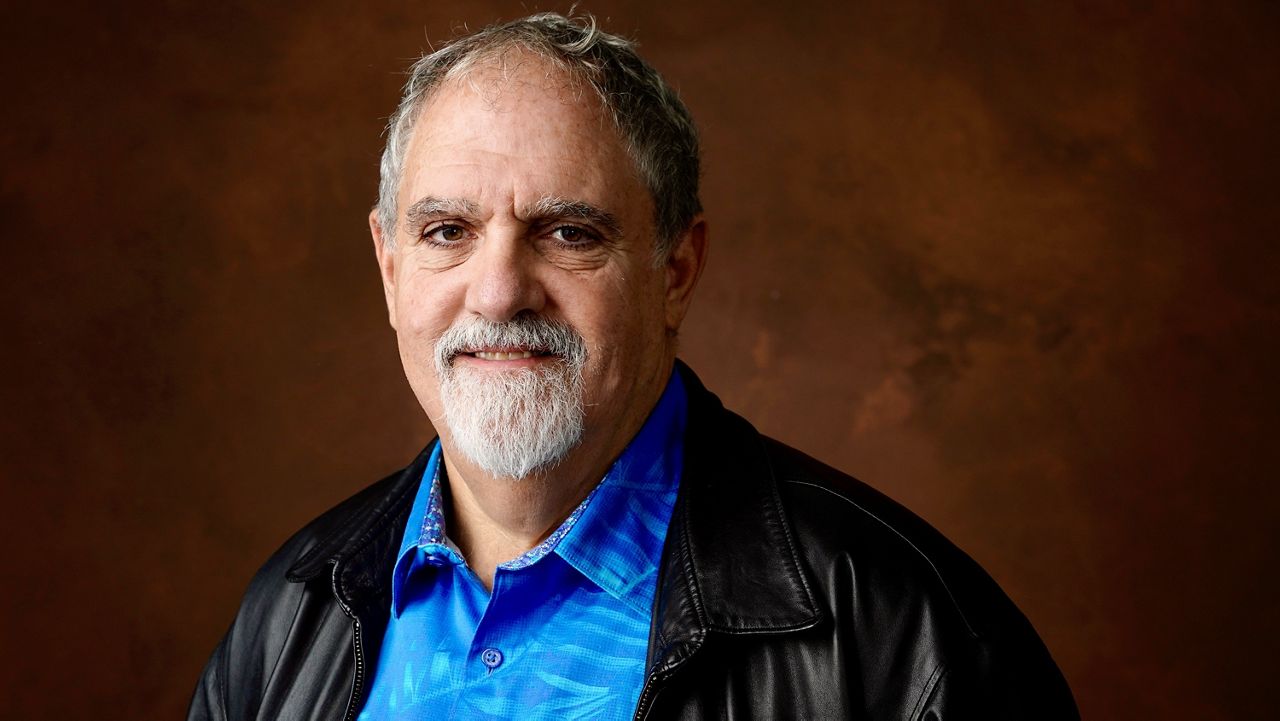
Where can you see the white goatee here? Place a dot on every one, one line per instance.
(519, 422)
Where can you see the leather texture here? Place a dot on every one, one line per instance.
(787, 590)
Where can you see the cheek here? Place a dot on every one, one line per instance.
(415, 319)
(628, 330)
(420, 322)
(422, 307)
(415, 341)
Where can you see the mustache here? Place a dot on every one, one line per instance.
(541, 335)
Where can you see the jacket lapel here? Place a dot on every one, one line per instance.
(730, 564)
(362, 549)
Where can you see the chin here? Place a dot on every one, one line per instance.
(517, 422)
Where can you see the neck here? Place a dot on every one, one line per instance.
(493, 520)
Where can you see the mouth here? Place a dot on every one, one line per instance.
(524, 343)
(506, 354)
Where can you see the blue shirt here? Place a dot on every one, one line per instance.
(565, 631)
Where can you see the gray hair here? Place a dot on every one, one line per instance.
(656, 128)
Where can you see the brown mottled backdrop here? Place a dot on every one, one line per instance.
(1012, 263)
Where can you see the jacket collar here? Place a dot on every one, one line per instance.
(729, 564)
(361, 548)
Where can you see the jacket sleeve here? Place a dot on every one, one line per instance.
(208, 701)
(999, 683)
(230, 686)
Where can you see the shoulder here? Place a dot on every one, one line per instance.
(907, 593)
(839, 519)
(371, 516)
(279, 584)
(854, 542)
(916, 627)
(289, 617)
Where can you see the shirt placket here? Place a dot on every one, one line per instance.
(493, 648)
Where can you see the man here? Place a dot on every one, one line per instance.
(593, 535)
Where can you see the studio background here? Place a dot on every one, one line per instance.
(1011, 263)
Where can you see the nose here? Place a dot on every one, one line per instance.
(504, 280)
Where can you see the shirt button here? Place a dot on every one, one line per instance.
(491, 657)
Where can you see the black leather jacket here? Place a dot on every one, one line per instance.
(787, 590)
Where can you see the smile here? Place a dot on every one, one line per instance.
(505, 355)
(484, 355)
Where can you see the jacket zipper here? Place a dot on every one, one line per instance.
(646, 698)
(652, 684)
(357, 686)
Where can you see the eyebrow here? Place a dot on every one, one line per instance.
(432, 207)
(552, 207)
(548, 207)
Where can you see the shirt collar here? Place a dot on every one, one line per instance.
(614, 537)
(617, 542)
(423, 541)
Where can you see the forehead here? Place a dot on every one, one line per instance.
(511, 78)
(516, 123)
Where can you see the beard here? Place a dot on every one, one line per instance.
(519, 422)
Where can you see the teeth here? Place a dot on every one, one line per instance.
(516, 355)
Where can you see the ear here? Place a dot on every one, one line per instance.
(386, 264)
(684, 267)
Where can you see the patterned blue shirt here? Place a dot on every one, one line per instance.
(565, 631)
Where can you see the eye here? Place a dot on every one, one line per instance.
(573, 235)
(446, 234)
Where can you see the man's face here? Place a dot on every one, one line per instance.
(518, 203)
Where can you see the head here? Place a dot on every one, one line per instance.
(539, 236)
